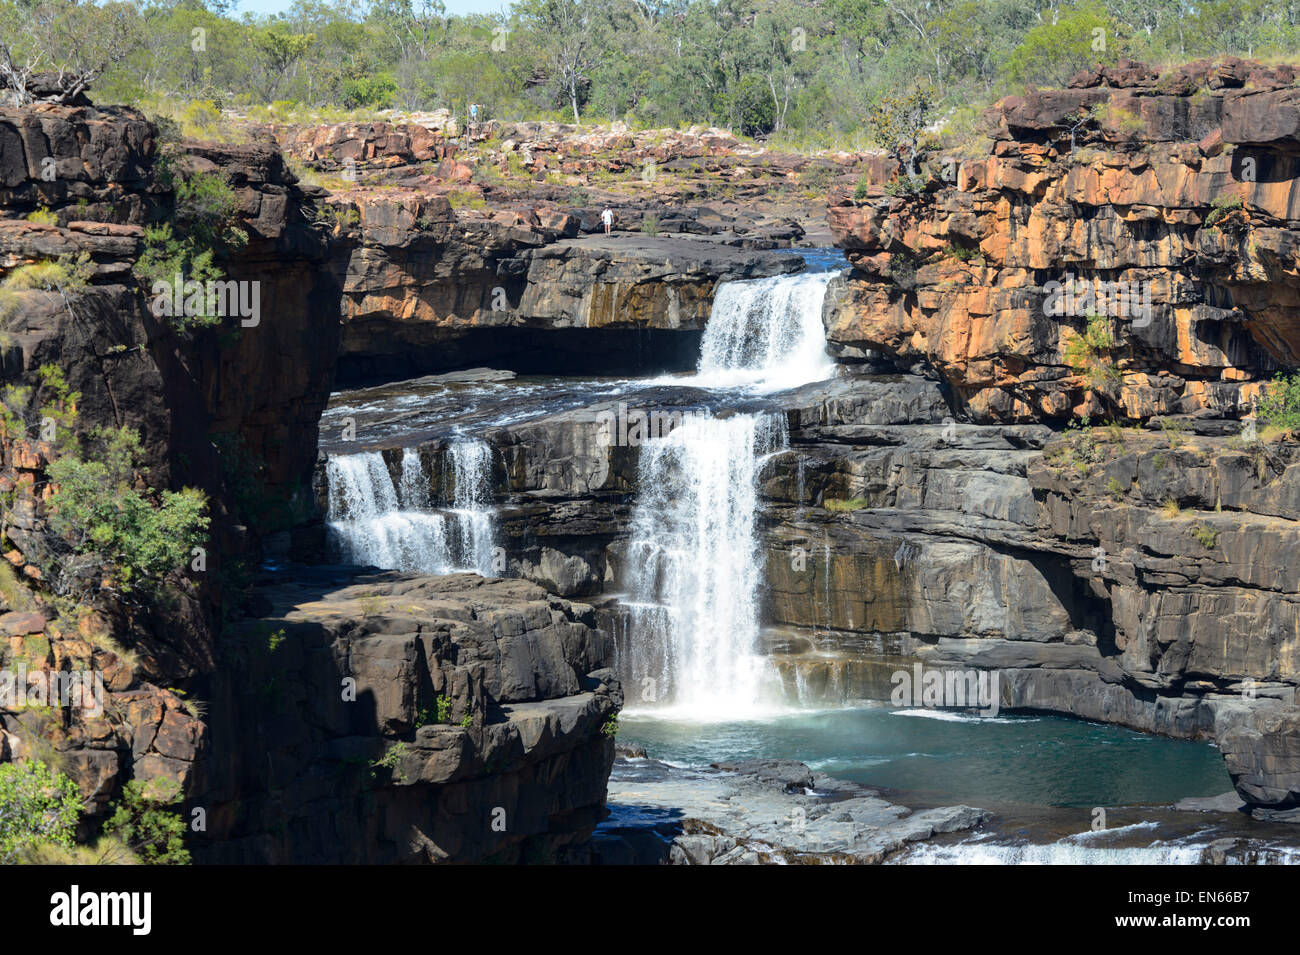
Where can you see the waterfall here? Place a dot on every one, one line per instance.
(695, 567)
(471, 503)
(373, 521)
(766, 333)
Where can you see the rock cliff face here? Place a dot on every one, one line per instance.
(1133, 573)
(409, 719)
(452, 253)
(427, 289)
(1136, 573)
(1172, 191)
(95, 170)
(477, 725)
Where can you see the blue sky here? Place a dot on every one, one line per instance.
(453, 6)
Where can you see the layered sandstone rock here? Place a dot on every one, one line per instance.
(1125, 575)
(427, 288)
(1176, 188)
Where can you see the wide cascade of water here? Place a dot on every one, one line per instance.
(695, 570)
(372, 520)
(766, 334)
(694, 558)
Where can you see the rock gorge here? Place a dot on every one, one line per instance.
(1138, 572)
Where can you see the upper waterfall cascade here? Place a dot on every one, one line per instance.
(767, 334)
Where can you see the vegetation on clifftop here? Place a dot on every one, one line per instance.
(806, 71)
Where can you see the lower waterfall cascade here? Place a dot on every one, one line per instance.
(373, 521)
(693, 610)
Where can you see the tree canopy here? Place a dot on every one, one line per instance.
(810, 69)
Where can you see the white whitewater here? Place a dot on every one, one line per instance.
(471, 507)
(395, 527)
(695, 570)
(695, 566)
(766, 334)
(1075, 850)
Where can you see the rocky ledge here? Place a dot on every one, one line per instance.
(427, 288)
(757, 812)
(401, 718)
(1127, 575)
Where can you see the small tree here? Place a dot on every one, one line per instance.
(280, 50)
(109, 532)
(1054, 51)
(76, 42)
(143, 821)
(897, 124)
(104, 528)
(37, 806)
(568, 28)
(1279, 406)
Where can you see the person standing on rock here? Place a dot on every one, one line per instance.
(607, 217)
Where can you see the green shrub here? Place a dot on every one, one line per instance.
(1207, 536)
(200, 119)
(650, 224)
(1220, 208)
(109, 529)
(370, 92)
(143, 821)
(1081, 448)
(38, 806)
(1174, 430)
(202, 228)
(902, 272)
(610, 728)
(107, 850)
(904, 186)
(44, 216)
(844, 504)
(1279, 406)
(68, 275)
(1089, 353)
(466, 199)
(751, 106)
(390, 760)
